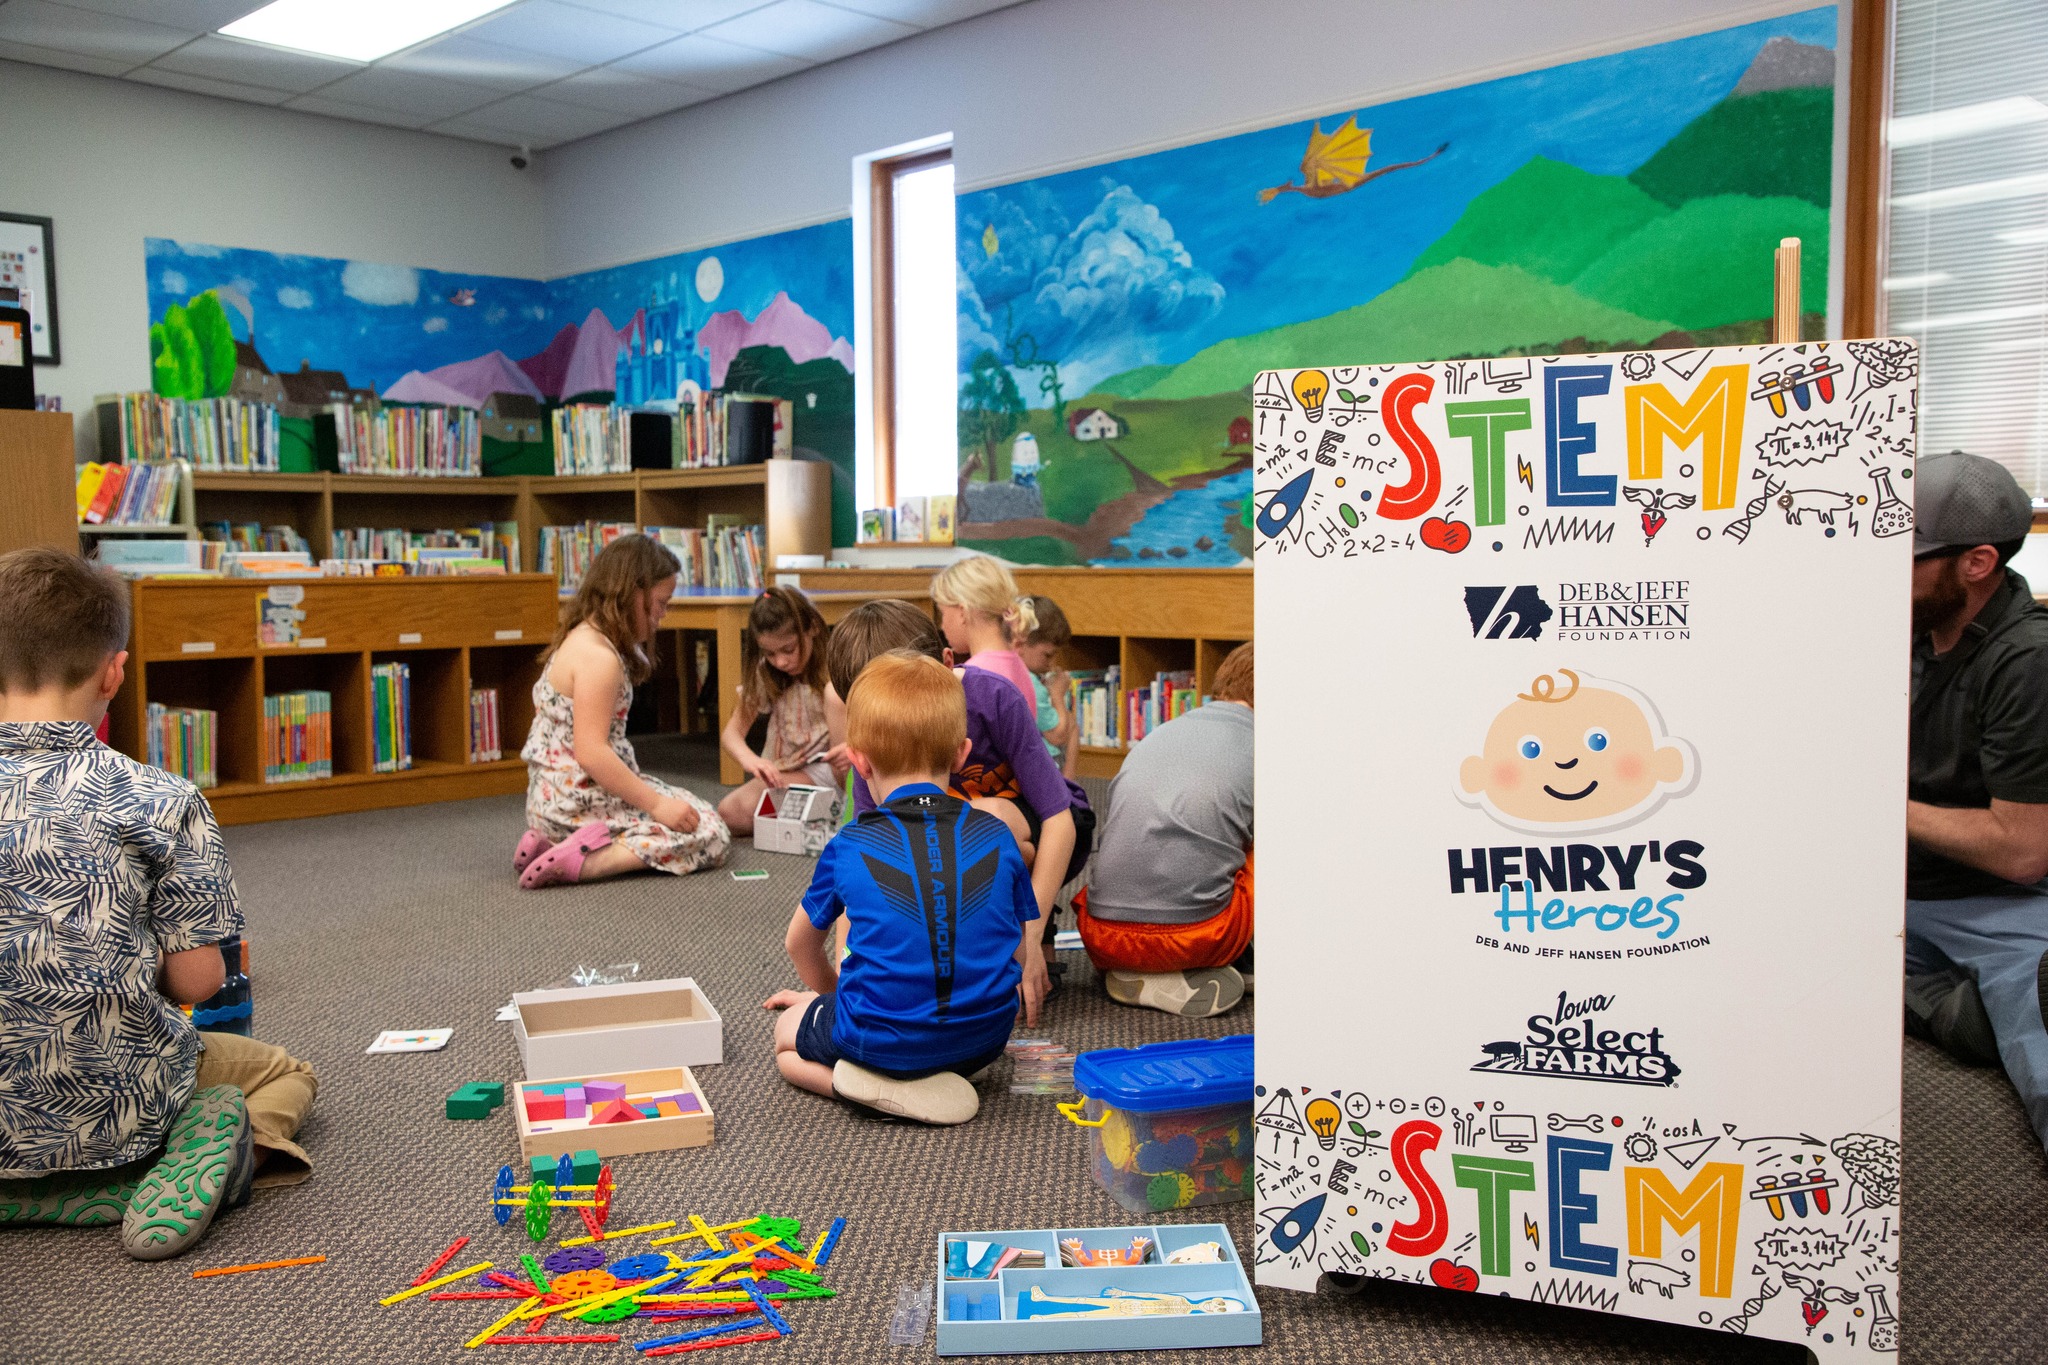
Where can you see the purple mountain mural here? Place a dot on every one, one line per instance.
(580, 359)
(782, 323)
(469, 383)
(414, 386)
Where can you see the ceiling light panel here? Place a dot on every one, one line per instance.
(360, 30)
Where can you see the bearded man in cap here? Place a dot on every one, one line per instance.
(1977, 790)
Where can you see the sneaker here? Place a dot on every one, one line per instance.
(1192, 995)
(944, 1098)
(72, 1199)
(207, 1165)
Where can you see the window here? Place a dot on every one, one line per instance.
(1966, 266)
(912, 304)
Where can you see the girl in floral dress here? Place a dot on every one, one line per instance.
(590, 811)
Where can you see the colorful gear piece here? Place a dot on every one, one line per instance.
(577, 1284)
(610, 1312)
(570, 1259)
(604, 1195)
(565, 1171)
(501, 1192)
(1118, 1142)
(1171, 1191)
(642, 1267)
(538, 1213)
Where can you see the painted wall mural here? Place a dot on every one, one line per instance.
(1112, 319)
(767, 314)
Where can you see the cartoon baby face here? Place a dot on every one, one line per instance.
(1574, 754)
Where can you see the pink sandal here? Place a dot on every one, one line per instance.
(564, 862)
(531, 845)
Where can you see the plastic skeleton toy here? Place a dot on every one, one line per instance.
(1120, 1303)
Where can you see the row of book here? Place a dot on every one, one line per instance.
(922, 519)
(185, 741)
(1166, 697)
(391, 717)
(590, 439)
(213, 433)
(486, 745)
(250, 535)
(1097, 708)
(128, 494)
(727, 555)
(1110, 716)
(731, 428)
(405, 440)
(497, 540)
(426, 564)
(566, 551)
(140, 558)
(298, 736)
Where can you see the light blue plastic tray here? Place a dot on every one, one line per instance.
(1010, 1335)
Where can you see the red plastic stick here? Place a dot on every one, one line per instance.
(712, 1344)
(522, 1286)
(554, 1341)
(481, 1294)
(443, 1259)
(590, 1221)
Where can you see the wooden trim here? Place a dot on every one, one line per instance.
(882, 306)
(1870, 65)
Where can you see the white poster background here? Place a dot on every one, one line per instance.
(1417, 1031)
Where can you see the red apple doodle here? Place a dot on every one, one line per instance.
(1448, 1274)
(1448, 536)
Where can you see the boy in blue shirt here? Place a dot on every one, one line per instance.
(115, 894)
(939, 910)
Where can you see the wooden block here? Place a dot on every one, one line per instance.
(597, 1092)
(539, 1107)
(587, 1164)
(667, 1109)
(596, 1143)
(615, 1111)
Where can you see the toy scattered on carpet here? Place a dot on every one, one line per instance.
(475, 1099)
(540, 1202)
(747, 1271)
(1120, 1303)
(257, 1265)
(1039, 1066)
(1074, 1252)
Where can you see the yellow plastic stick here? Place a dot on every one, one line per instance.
(481, 1337)
(476, 1269)
(622, 1232)
(701, 1231)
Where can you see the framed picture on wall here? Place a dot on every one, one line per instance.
(28, 266)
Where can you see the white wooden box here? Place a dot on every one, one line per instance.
(797, 819)
(637, 1025)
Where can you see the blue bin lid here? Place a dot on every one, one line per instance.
(1191, 1073)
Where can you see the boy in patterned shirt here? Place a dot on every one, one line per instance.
(115, 894)
(939, 913)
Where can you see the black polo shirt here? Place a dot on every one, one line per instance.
(1980, 729)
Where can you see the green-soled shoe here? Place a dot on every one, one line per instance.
(207, 1160)
(72, 1199)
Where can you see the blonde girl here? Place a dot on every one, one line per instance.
(782, 663)
(590, 812)
(982, 615)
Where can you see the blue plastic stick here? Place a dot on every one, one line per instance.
(831, 1241)
(720, 1330)
(775, 1319)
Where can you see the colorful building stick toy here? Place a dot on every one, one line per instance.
(540, 1201)
(259, 1265)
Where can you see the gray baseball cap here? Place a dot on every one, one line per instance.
(1966, 500)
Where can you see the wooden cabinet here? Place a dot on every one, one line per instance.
(37, 477)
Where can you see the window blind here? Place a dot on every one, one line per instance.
(1966, 266)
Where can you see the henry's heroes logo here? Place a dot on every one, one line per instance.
(1574, 1041)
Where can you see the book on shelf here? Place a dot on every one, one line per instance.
(725, 556)
(910, 518)
(128, 494)
(1168, 696)
(724, 428)
(1097, 709)
(485, 745)
(495, 541)
(250, 535)
(592, 439)
(566, 551)
(106, 489)
(184, 741)
(391, 717)
(298, 736)
(877, 525)
(939, 512)
(162, 558)
(268, 564)
(401, 440)
(213, 433)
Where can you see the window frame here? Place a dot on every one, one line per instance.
(883, 173)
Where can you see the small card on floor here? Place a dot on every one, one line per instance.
(412, 1040)
(750, 874)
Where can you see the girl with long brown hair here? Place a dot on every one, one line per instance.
(590, 811)
(782, 666)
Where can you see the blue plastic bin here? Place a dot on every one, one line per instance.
(1172, 1122)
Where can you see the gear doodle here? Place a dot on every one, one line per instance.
(1640, 1147)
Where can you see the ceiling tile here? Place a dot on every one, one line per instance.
(199, 16)
(476, 62)
(202, 85)
(607, 87)
(684, 16)
(710, 63)
(543, 122)
(361, 113)
(924, 13)
(88, 34)
(403, 93)
(226, 59)
(805, 28)
(70, 61)
(582, 35)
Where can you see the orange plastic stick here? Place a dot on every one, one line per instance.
(259, 1265)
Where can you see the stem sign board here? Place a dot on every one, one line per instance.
(1592, 974)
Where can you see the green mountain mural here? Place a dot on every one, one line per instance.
(1709, 263)
(1547, 218)
(1778, 143)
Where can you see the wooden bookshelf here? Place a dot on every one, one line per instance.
(36, 471)
(194, 643)
(1144, 620)
(791, 499)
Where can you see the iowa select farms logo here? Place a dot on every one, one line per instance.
(1575, 1041)
(1650, 609)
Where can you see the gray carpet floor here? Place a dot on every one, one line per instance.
(410, 919)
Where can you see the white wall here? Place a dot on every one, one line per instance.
(114, 162)
(1050, 85)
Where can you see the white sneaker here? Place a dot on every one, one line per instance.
(944, 1098)
(1197, 994)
